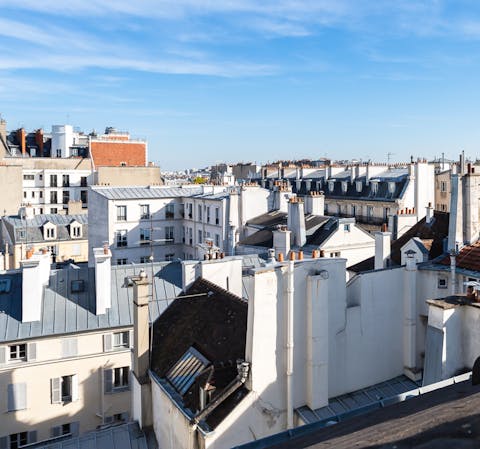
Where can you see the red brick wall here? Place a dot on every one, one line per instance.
(116, 153)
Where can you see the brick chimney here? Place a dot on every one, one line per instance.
(39, 141)
(22, 140)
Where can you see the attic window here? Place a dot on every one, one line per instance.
(76, 231)
(391, 187)
(331, 185)
(184, 372)
(5, 285)
(374, 187)
(77, 286)
(359, 186)
(344, 186)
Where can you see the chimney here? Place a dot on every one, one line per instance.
(470, 206)
(296, 221)
(455, 226)
(429, 214)
(35, 276)
(103, 274)
(461, 165)
(22, 140)
(367, 174)
(39, 141)
(382, 249)
(281, 240)
(315, 203)
(141, 391)
(281, 195)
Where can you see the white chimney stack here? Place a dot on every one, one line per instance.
(315, 203)
(281, 241)
(429, 214)
(103, 282)
(296, 221)
(382, 249)
(35, 276)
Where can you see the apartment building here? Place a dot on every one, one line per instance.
(65, 237)
(171, 223)
(65, 345)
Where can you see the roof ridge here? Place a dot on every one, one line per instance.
(223, 291)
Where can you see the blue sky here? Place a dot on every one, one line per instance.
(232, 80)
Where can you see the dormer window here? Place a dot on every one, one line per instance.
(391, 187)
(49, 231)
(331, 185)
(344, 186)
(374, 187)
(359, 186)
(75, 230)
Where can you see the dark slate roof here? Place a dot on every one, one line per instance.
(318, 229)
(215, 324)
(431, 234)
(440, 417)
(34, 227)
(126, 436)
(64, 312)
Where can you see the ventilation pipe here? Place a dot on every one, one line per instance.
(289, 338)
(429, 214)
(103, 283)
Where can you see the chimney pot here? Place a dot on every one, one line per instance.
(322, 253)
(280, 257)
(292, 255)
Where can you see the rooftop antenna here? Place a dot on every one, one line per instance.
(389, 155)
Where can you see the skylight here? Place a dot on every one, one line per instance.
(184, 372)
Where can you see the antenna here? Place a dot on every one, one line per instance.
(389, 155)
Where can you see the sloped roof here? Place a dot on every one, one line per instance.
(468, 258)
(128, 193)
(214, 322)
(64, 312)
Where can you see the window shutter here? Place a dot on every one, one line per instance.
(75, 387)
(74, 427)
(69, 347)
(108, 380)
(2, 357)
(107, 342)
(31, 351)
(4, 443)
(130, 338)
(32, 437)
(17, 397)
(56, 431)
(56, 385)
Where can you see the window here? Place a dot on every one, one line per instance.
(190, 210)
(144, 259)
(118, 417)
(170, 211)
(53, 210)
(121, 238)
(190, 236)
(64, 389)
(5, 285)
(62, 430)
(17, 397)
(83, 181)
(199, 236)
(169, 257)
(391, 187)
(40, 176)
(76, 231)
(374, 187)
(208, 213)
(53, 180)
(59, 152)
(145, 236)
(49, 233)
(28, 177)
(65, 197)
(442, 283)
(121, 213)
(199, 217)
(217, 216)
(18, 352)
(66, 180)
(116, 379)
(84, 197)
(53, 197)
(443, 186)
(346, 227)
(122, 261)
(24, 194)
(331, 186)
(359, 186)
(144, 211)
(188, 367)
(40, 194)
(169, 238)
(77, 286)
(69, 347)
(344, 186)
(121, 340)
(17, 440)
(217, 240)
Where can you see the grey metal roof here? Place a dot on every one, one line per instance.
(32, 228)
(213, 196)
(358, 399)
(126, 436)
(130, 193)
(64, 312)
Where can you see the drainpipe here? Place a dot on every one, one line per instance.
(289, 343)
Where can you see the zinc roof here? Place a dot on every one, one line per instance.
(128, 193)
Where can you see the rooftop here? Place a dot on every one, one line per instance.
(468, 258)
(146, 192)
(65, 312)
